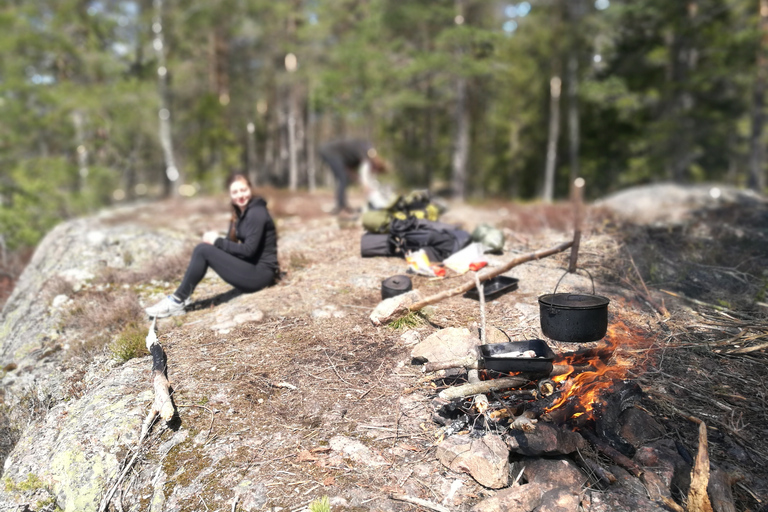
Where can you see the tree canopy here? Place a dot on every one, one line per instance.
(112, 100)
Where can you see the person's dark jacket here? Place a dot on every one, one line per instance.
(256, 236)
(351, 151)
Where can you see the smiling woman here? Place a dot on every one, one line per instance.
(246, 258)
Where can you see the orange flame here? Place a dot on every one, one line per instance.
(582, 393)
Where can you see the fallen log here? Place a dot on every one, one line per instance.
(489, 273)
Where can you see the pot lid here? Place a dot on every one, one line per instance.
(398, 283)
(574, 300)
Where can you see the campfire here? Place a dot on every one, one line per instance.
(575, 389)
(583, 391)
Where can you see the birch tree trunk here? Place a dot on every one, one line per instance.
(757, 151)
(461, 142)
(293, 167)
(553, 136)
(461, 136)
(250, 156)
(575, 13)
(82, 151)
(172, 174)
(573, 113)
(310, 137)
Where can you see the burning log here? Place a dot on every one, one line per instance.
(403, 310)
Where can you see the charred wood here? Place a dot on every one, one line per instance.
(610, 452)
(720, 492)
(601, 476)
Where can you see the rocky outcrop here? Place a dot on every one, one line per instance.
(70, 256)
(81, 440)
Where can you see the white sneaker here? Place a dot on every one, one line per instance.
(166, 307)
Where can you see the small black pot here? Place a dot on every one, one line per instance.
(573, 317)
(395, 285)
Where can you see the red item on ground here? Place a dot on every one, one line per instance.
(477, 265)
(439, 270)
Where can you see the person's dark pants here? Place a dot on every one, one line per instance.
(341, 175)
(244, 276)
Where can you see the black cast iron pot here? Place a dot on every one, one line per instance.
(574, 317)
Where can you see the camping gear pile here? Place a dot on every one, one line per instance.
(409, 228)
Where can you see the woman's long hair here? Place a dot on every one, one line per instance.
(232, 235)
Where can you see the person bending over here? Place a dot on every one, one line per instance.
(351, 156)
(246, 258)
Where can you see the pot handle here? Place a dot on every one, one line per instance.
(577, 268)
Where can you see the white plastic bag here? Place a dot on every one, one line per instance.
(459, 261)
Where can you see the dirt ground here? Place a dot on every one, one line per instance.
(263, 402)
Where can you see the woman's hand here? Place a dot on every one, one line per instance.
(209, 237)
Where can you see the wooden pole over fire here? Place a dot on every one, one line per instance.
(402, 310)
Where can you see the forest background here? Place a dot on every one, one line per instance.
(108, 101)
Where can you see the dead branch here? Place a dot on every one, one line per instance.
(747, 350)
(698, 500)
(484, 386)
(403, 310)
(418, 501)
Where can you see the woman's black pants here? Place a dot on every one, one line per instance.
(244, 276)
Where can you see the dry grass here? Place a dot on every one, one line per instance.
(97, 318)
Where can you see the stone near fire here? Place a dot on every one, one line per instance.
(613, 501)
(663, 459)
(386, 308)
(655, 486)
(492, 335)
(486, 459)
(546, 439)
(445, 345)
(560, 499)
(553, 473)
(627, 481)
(638, 427)
(517, 497)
